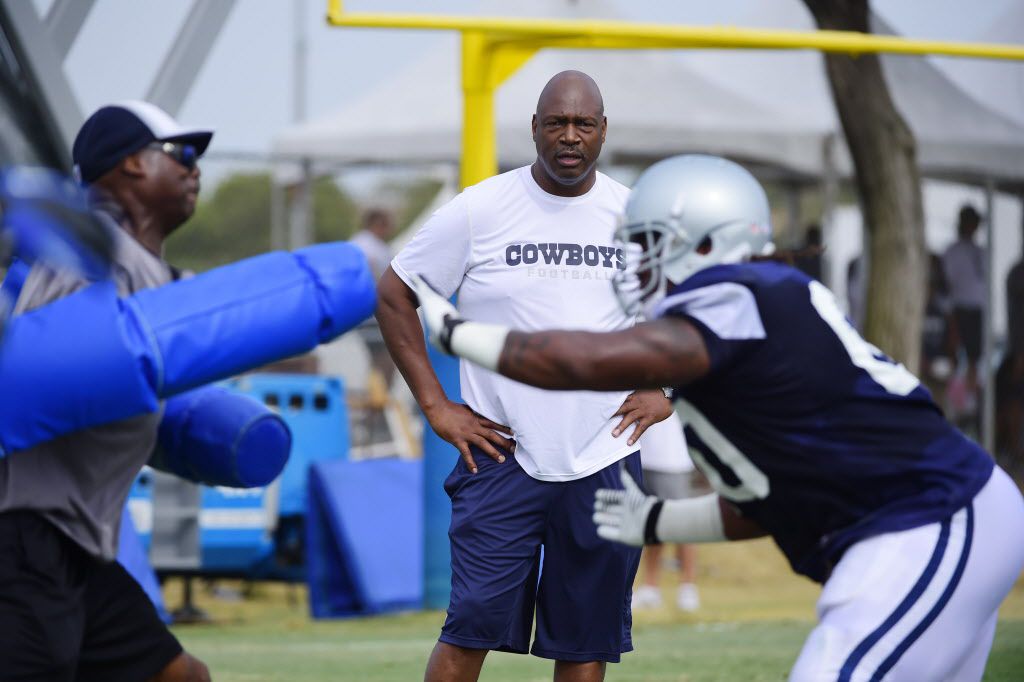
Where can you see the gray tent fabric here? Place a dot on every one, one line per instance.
(772, 109)
(417, 116)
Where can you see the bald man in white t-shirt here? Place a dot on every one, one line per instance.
(531, 248)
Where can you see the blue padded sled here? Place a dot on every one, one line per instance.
(217, 436)
(14, 280)
(364, 537)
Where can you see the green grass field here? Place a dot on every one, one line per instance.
(754, 618)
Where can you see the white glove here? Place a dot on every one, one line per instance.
(475, 341)
(439, 315)
(627, 516)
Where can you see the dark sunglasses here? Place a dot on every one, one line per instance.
(183, 153)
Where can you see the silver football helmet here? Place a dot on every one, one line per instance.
(687, 213)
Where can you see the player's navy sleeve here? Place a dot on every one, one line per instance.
(805, 427)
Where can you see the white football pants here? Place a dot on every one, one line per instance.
(920, 605)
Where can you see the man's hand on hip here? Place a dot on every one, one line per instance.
(643, 409)
(462, 427)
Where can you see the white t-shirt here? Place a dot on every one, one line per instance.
(663, 447)
(529, 260)
(378, 253)
(964, 267)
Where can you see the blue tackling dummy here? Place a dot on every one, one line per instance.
(214, 436)
(93, 358)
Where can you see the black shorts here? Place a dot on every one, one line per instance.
(65, 615)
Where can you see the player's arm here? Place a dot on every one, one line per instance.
(664, 352)
(403, 336)
(634, 518)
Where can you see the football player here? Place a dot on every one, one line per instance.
(807, 432)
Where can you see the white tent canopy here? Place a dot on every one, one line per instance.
(649, 100)
(958, 137)
(767, 108)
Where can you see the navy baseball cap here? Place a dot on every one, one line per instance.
(117, 130)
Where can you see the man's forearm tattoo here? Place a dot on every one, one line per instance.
(520, 345)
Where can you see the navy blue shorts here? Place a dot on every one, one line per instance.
(501, 517)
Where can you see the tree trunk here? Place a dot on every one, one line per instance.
(885, 162)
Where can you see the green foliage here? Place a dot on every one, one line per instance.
(418, 195)
(335, 215)
(234, 222)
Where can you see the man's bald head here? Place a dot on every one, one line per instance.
(571, 85)
(568, 131)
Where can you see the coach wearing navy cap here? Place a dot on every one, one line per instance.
(135, 154)
(68, 609)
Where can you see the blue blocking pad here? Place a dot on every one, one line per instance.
(17, 272)
(345, 291)
(92, 358)
(364, 528)
(216, 436)
(75, 363)
(205, 329)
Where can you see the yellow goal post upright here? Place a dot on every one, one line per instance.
(493, 48)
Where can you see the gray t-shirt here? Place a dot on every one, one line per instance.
(79, 482)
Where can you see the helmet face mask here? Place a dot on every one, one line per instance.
(648, 246)
(685, 214)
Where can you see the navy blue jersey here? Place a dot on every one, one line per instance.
(811, 431)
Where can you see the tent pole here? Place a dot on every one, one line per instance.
(793, 216)
(988, 349)
(829, 192)
(278, 213)
(301, 208)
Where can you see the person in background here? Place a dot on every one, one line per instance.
(963, 264)
(377, 229)
(936, 356)
(809, 258)
(1010, 378)
(856, 291)
(668, 473)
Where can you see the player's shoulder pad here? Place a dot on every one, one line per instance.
(721, 298)
(756, 275)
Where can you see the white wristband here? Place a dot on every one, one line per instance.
(479, 342)
(696, 519)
